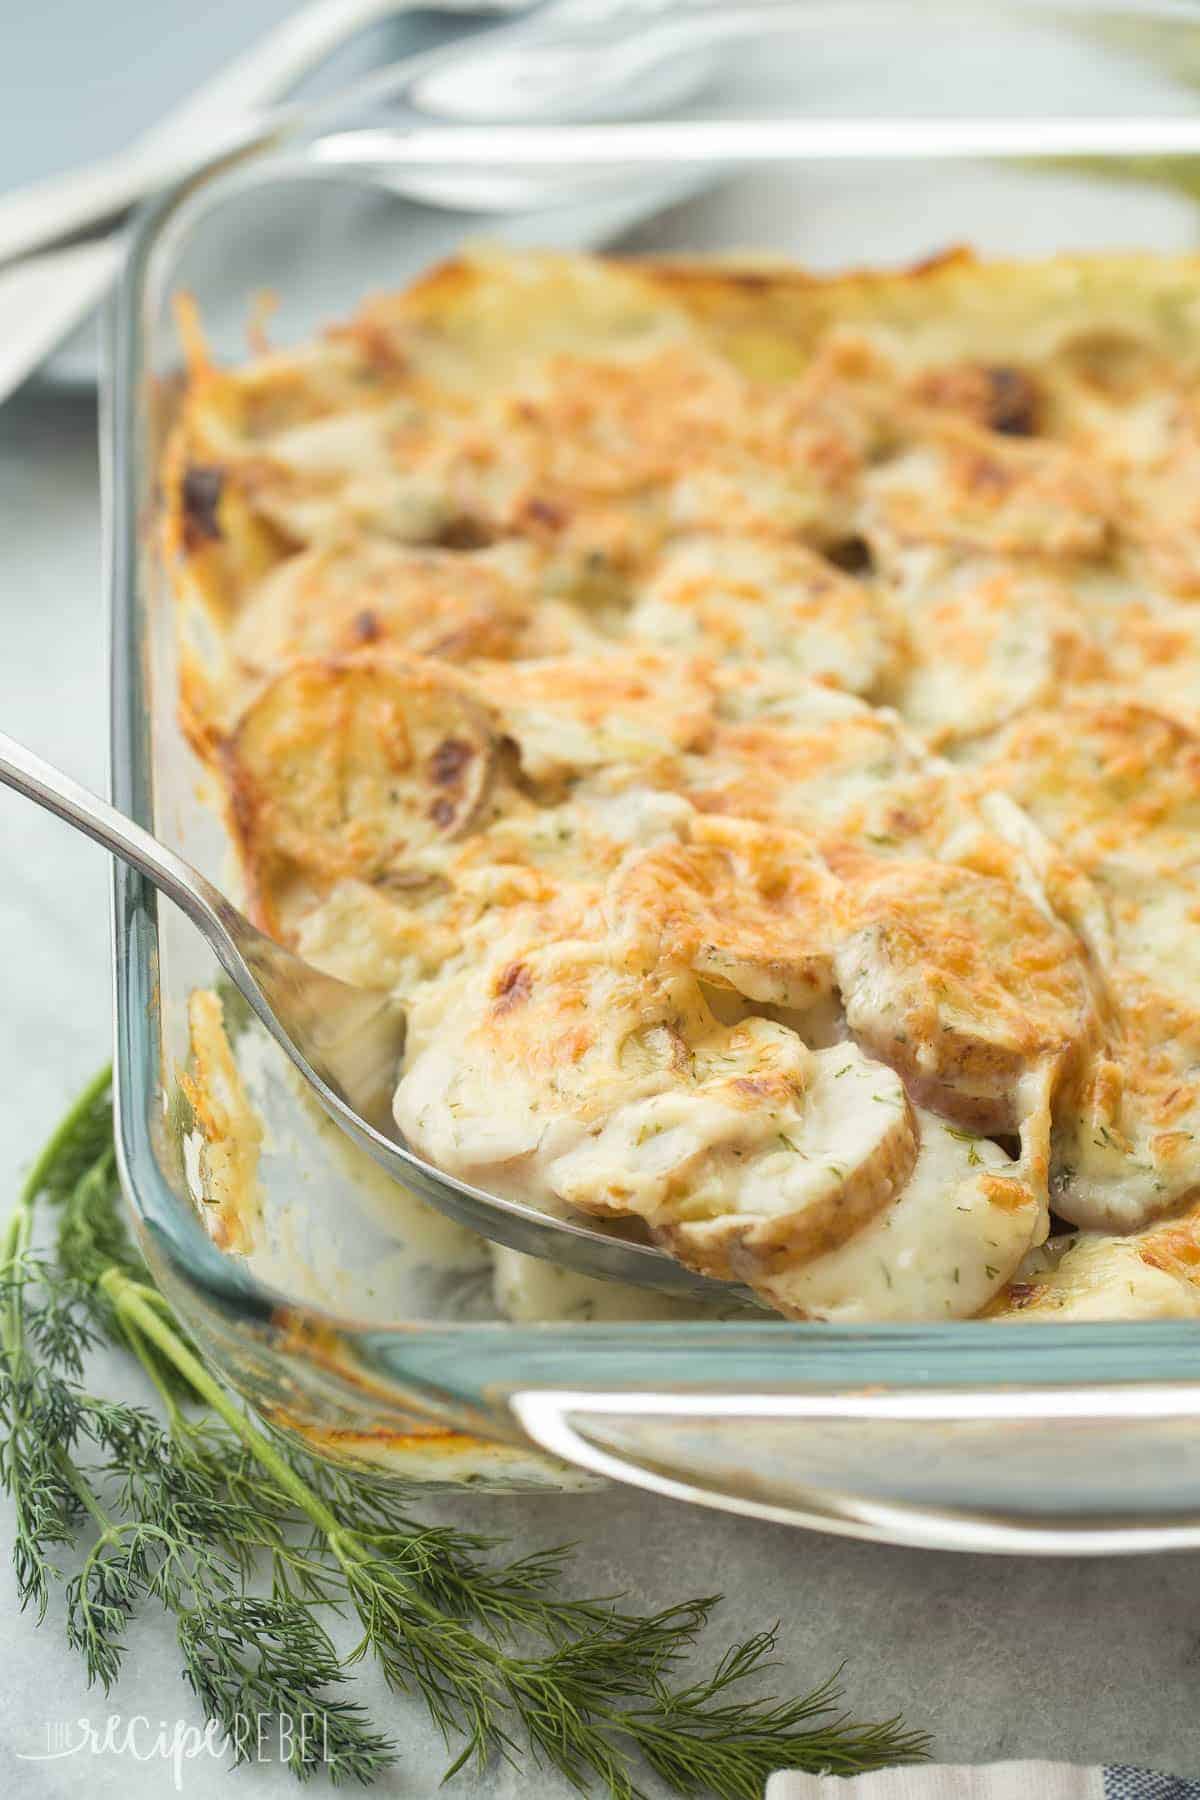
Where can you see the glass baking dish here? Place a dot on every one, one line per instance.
(837, 135)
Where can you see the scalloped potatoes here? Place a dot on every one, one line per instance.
(751, 719)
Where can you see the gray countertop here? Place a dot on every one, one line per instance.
(997, 1657)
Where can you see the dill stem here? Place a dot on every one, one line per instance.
(16, 1244)
(83, 1493)
(133, 1337)
(132, 1302)
(36, 1179)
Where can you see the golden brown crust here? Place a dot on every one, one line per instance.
(960, 982)
(350, 766)
(746, 907)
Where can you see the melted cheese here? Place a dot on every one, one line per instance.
(988, 640)
(954, 1236)
(959, 981)
(737, 599)
(745, 907)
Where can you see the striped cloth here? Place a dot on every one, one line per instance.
(987, 1781)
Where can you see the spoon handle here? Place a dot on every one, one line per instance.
(49, 787)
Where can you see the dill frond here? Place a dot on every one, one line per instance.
(246, 1657)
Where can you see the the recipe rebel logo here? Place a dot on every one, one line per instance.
(255, 1737)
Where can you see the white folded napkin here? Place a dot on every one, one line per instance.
(986, 1781)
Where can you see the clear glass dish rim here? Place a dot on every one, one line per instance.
(729, 1356)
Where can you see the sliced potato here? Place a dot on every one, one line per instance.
(741, 599)
(746, 907)
(365, 593)
(572, 715)
(1147, 649)
(988, 639)
(613, 454)
(369, 471)
(545, 1025)
(960, 982)
(997, 397)
(799, 1186)
(1151, 1274)
(797, 753)
(942, 1249)
(347, 767)
(1126, 1145)
(1117, 787)
(957, 484)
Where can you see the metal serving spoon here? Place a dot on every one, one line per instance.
(345, 1041)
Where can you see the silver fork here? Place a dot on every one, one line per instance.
(345, 1041)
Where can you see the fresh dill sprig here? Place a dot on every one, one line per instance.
(245, 1542)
